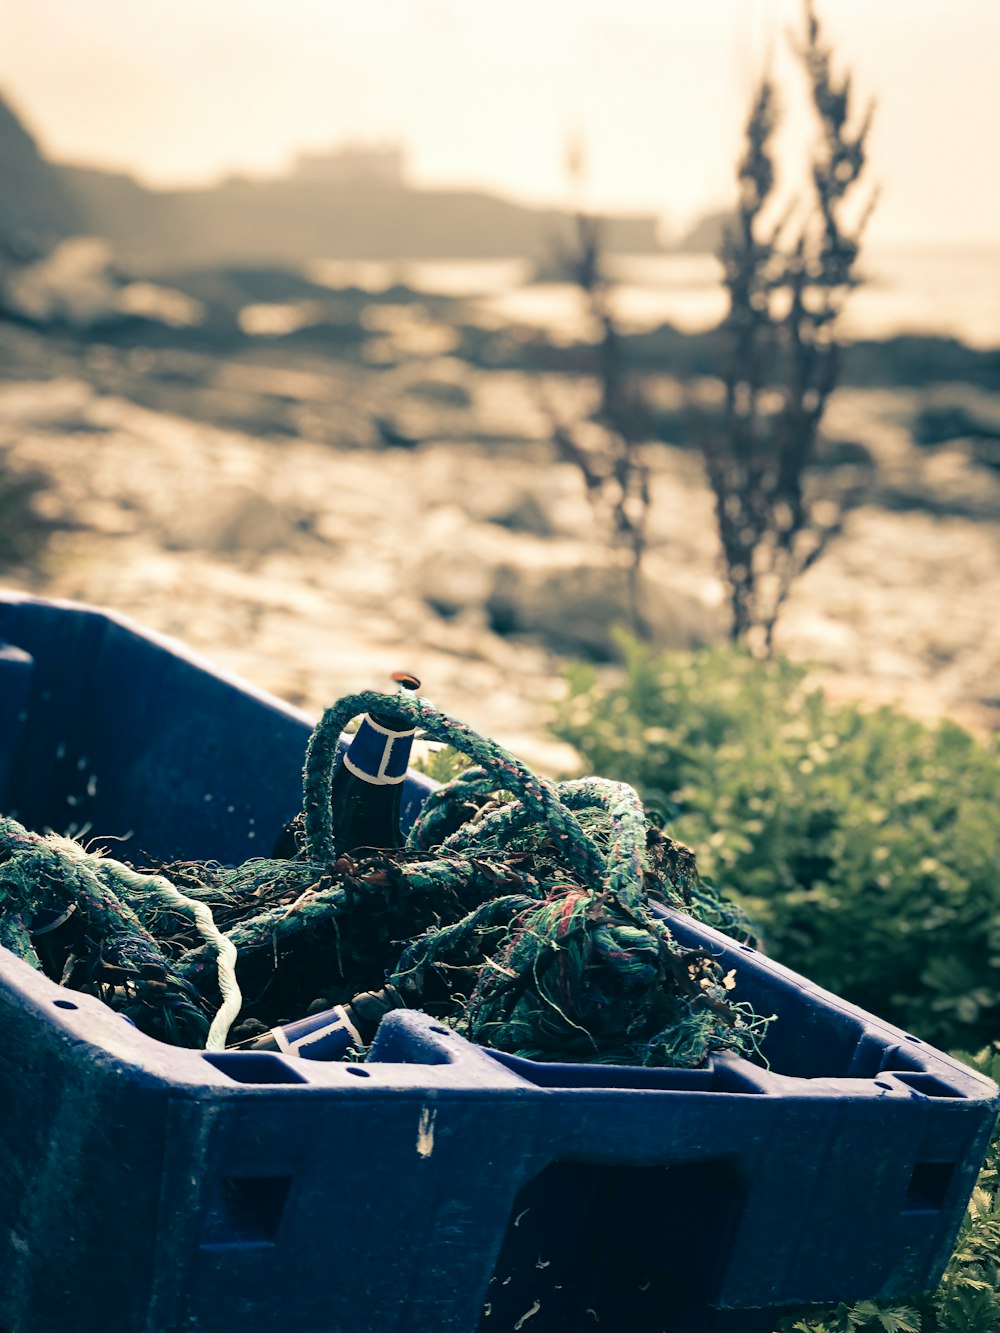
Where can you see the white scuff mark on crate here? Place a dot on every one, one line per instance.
(517, 1220)
(425, 1131)
(528, 1314)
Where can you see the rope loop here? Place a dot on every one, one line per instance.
(539, 795)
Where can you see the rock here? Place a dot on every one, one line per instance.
(954, 412)
(78, 285)
(831, 453)
(75, 285)
(61, 402)
(234, 520)
(523, 513)
(563, 592)
(396, 433)
(404, 331)
(455, 577)
(151, 301)
(444, 381)
(986, 452)
(580, 608)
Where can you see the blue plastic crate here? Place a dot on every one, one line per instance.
(437, 1186)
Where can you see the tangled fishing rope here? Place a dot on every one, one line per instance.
(521, 912)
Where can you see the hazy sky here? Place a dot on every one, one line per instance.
(485, 92)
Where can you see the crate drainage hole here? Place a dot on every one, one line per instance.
(61, 1004)
(928, 1187)
(245, 1210)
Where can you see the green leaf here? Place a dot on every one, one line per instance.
(897, 1319)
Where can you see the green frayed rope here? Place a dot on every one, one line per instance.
(586, 971)
(158, 889)
(528, 918)
(40, 869)
(538, 794)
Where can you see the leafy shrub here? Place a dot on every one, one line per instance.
(865, 1317)
(968, 1297)
(441, 762)
(863, 844)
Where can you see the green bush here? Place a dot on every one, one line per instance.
(863, 844)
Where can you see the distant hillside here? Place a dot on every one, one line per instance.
(309, 215)
(37, 205)
(296, 219)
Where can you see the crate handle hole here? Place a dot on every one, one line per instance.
(246, 1210)
(598, 1246)
(928, 1187)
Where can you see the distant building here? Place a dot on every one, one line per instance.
(354, 164)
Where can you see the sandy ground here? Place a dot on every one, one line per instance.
(312, 570)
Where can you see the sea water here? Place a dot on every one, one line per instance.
(944, 290)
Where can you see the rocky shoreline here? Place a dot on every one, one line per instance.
(441, 534)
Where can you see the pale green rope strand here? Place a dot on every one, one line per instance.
(160, 888)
